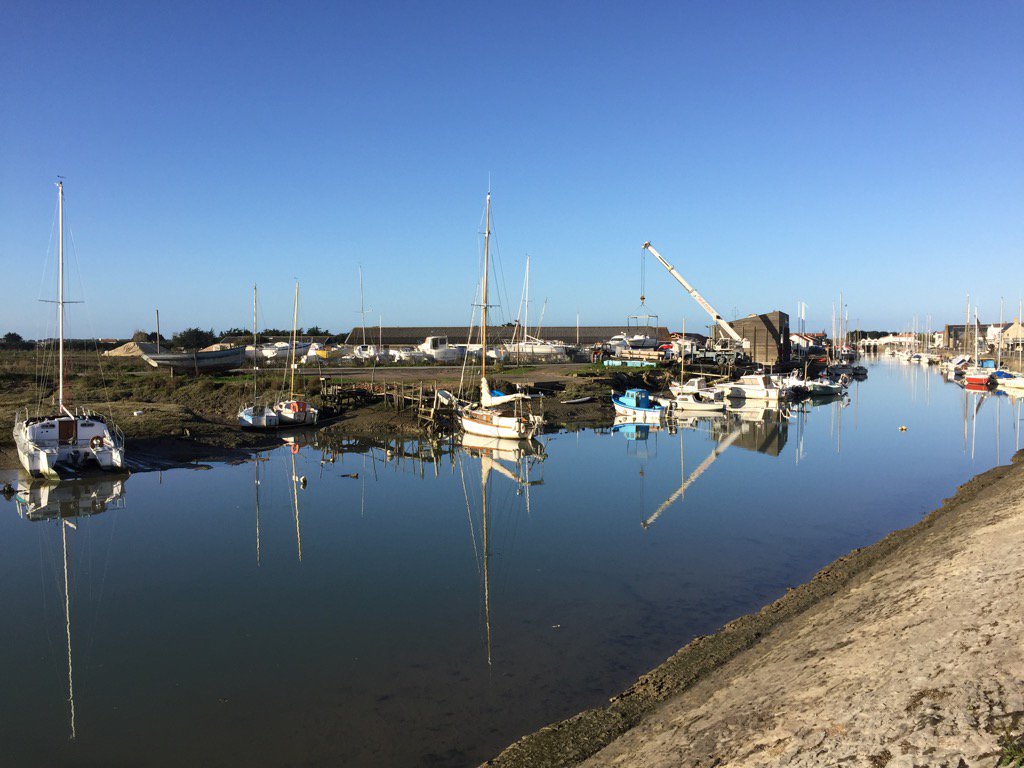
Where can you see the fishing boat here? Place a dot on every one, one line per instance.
(65, 441)
(638, 404)
(497, 414)
(257, 415)
(295, 412)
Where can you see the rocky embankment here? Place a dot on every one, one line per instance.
(905, 653)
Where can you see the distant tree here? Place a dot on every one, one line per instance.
(274, 332)
(194, 338)
(150, 336)
(235, 332)
(316, 330)
(13, 340)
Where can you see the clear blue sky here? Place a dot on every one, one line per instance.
(774, 152)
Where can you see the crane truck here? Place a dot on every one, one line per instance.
(729, 350)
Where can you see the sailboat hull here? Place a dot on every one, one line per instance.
(487, 423)
(258, 417)
(295, 413)
(69, 443)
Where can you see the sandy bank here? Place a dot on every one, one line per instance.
(904, 653)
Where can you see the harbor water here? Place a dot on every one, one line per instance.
(356, 606)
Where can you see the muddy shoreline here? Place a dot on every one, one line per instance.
(572, 741)
(194, 419)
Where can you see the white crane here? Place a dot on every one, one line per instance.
(740, 342)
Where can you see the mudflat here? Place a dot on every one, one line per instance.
(904, 653)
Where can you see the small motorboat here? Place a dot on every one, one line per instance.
(637, 404)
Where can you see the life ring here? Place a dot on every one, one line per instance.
(295, 448)
(96, 442)
(294, 407)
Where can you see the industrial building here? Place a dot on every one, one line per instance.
(767, 336)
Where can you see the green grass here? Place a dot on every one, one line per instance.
(1012, 751)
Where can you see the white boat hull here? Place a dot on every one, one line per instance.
(644, 415)
(71, 442)
(258, 417)
(296, 413)
(488, 423)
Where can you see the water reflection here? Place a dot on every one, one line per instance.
(36, 500)
(513, 460)
(63, 503)
(417, 646)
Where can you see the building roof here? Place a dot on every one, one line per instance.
(414, 335)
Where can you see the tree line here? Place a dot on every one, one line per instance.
(189, 338)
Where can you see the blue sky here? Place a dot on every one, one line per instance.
(774, 152)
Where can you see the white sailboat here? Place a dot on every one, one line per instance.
(257, 415)
(293, 412)
(66, 440)
(497, 414)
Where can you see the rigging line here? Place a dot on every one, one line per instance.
(88, 318)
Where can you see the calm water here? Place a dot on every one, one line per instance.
(382, 624)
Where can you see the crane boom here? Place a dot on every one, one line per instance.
(722, 322)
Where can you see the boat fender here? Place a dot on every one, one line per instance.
(96, 443)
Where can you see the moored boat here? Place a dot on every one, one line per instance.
(753, 386)
(638, 404)
(65, 441)
(257, 415)
(497, 414)
(295, 412)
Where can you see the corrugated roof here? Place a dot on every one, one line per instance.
(413, 335)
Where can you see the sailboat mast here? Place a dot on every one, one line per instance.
(255, 348)
(999, 345)
(967, 322)
(483, 308)
(362, 309)
(295, 323)
(682, 355)
(60, 296)
(526, 313)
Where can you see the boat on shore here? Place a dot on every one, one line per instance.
(295, 412)
(196, 361)
(258, 415)
(65, 441)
